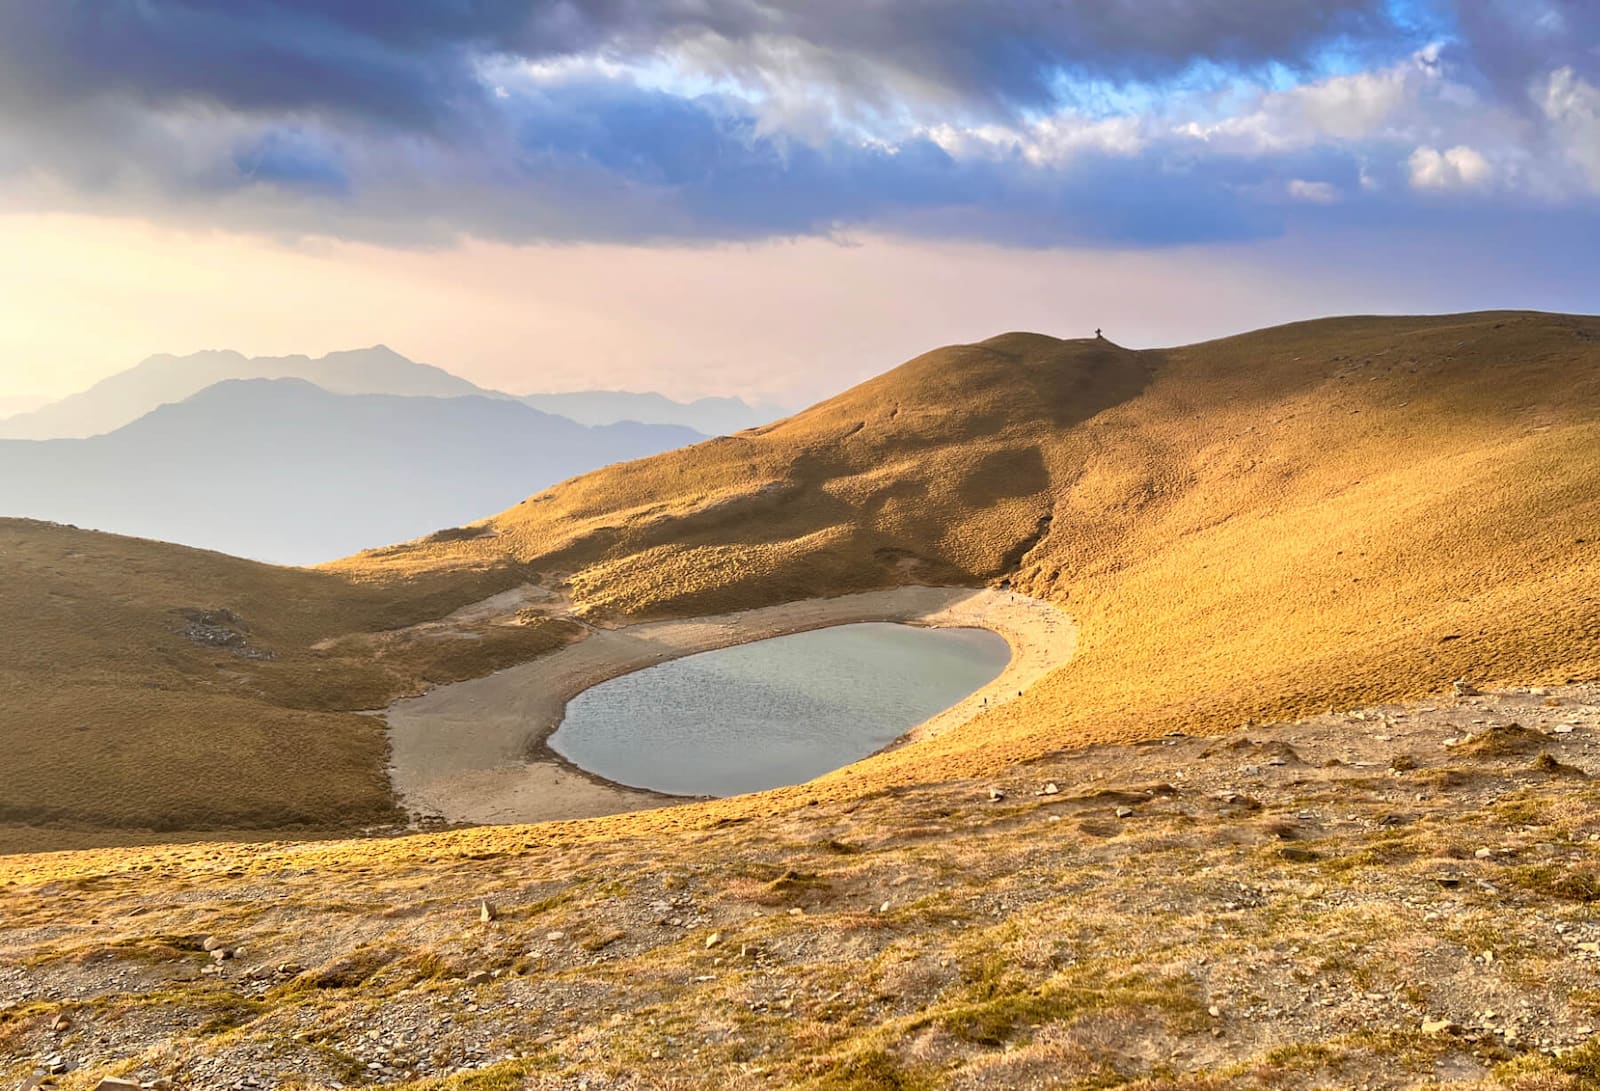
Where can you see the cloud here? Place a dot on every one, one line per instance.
(1459, 167)
(291, 158)
(1572, 104)
(1322, 193)
(411, 64)
(1029, 122)
(1512, 44)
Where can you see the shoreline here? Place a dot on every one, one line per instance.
(476, 751)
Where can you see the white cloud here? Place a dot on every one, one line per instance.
(1572, 105)
(1460, 167)
(1321, 193)
(1342, 108)
(1051, 140)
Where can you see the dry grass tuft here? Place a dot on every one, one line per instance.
(1503, 740)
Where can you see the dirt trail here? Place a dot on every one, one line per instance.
(474, 751)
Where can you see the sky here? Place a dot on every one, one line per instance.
(772, 198)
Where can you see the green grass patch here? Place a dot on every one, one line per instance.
(1560, 881)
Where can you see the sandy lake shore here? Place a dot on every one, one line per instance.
(474, 751)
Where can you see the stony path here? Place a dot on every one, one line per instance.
(1388, 898)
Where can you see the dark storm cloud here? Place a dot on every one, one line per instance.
(382, 120)
(413, 63)
(1510, 42)
(248, 55)
(610, 161)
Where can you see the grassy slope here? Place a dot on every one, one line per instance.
(1322, 514)
(114, 719)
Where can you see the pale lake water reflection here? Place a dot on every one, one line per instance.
(773, 712)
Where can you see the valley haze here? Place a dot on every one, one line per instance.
(297, 461)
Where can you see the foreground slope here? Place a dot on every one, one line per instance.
(284, 471)
(1401, 897)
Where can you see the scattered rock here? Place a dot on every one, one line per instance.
(116, 1083)
(554, 937)
(1463, 688)
(211, 943)
(478, 977)
(485, 912)
(996, 795)
(1440, 1026)
(1124, 812)
(1052, 789)
(217, 627)
(1297, 854)
(713, 939)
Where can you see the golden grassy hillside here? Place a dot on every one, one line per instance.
(1316, 515)
(942, 469)
(118, 724)
(1323, 514)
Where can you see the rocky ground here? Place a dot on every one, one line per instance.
(1391, 897)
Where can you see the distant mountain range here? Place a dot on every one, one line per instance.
(128, 395)
(712, 416)
(285, 471)
(298, 460)
(160, 380)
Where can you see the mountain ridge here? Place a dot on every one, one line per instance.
(283, 470)
(165, 378)
(714, 416)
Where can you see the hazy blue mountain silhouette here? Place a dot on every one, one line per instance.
(710, 416)
(128, 395)
(163, 379)
(282, 470)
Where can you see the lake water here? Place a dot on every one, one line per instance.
(773, 712)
